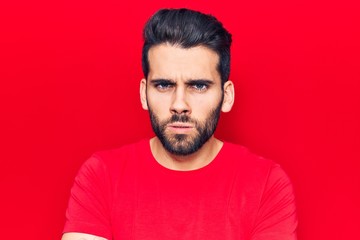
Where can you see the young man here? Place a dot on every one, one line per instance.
(184, 183)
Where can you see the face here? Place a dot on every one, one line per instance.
(184, 96)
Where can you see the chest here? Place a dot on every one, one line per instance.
(198, 206)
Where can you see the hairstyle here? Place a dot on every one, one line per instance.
(187, 28)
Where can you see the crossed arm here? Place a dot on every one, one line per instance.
(80, 236)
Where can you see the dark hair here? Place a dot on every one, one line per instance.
(187, 28)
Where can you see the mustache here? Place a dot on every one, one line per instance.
(180, 118)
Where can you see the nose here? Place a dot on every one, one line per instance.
(179, 103)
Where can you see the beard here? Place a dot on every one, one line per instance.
(186, 144)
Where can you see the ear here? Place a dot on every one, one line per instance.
(229, 96)
(143, 94)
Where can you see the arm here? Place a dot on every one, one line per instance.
(80, 236)
(89, 204)
(276, 218)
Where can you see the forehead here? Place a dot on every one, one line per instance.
(173, 62)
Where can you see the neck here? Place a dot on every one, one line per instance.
(193, 161)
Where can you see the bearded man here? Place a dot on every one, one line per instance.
(183, 183)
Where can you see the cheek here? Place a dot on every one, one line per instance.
(158, 103)
(206, 103)
(201, 110)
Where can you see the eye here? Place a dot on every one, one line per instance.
(163, 86)
(200, 86)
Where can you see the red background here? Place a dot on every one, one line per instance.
(70, 73)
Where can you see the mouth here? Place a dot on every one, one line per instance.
(180, 128)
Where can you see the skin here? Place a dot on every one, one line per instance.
(181, 93)
(184, 81)
(80, 236)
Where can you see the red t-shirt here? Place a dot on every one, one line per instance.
(126, 194)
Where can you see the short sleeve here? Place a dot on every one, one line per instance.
(90, 200)
(276, 219)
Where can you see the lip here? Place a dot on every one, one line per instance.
(180, 128)
(180, 125)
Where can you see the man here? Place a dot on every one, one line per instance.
(184, 183)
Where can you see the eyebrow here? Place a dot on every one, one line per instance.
(199, 81)
(187, 82)
(161, 80)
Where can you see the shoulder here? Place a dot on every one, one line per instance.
(128, 149)
(243, 158)
(122, 153)
(254, 168)
(117, 159)
(267, 187)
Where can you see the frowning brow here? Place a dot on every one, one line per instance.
(161, 81)
(187, 82)
(199, 81)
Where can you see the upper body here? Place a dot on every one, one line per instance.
(126, 194)
(216, 190)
